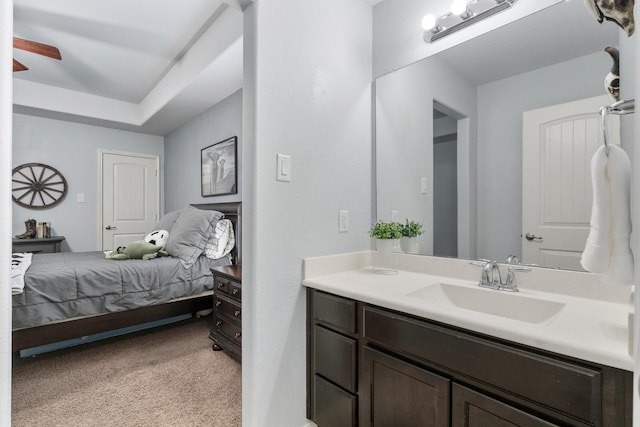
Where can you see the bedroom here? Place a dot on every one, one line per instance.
(306, 94)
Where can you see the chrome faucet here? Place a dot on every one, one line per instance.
(492, 279)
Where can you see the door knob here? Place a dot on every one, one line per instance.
(108, 227)
(531, 237)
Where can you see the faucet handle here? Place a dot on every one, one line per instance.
(510, 284)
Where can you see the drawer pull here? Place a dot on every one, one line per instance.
(218, 303)
(235, 291)
(221, 285)
(238, 335)
(236, 313)
(219, 322)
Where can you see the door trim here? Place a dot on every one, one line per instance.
(101, 154)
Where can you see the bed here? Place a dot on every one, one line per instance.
(71, 295)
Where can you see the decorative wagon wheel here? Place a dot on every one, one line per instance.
(37, 186)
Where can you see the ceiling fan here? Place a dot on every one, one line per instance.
(33, 47)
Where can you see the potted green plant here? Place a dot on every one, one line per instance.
(386, 234)
(410, 232)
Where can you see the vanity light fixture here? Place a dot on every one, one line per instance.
(463, 13)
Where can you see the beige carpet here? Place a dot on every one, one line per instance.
(167, 376)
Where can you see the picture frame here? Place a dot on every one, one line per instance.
(218, 168)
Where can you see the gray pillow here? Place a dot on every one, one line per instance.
(168, 220)
(190, 233)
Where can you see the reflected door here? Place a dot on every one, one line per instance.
(558, 143)
(130, 198)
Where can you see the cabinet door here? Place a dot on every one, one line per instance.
(398, 394)
(472, 409)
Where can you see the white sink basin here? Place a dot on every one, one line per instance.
(513, 306)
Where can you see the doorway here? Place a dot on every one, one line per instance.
(445, 183)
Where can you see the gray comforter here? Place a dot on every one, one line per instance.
(72, 284)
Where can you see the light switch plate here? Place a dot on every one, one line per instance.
(283, 168)
(424, 185)
(343, 221)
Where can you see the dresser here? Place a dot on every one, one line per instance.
(38, 246)
(226, 328)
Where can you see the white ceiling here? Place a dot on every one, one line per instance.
(143, 65)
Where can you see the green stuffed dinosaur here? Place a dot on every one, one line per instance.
(137, 250)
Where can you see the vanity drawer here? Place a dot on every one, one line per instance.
(335, 312)
(334, 407)
(554, 382)
(336, 358)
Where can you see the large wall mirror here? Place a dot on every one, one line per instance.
(490, 140)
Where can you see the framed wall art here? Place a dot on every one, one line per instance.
(218, 168)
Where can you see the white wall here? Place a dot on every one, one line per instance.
(182, 153)
(6, 95)
(307, 93)
(72, 149)
(500, 108)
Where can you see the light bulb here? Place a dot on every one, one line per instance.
(458, 7)
(428, 22)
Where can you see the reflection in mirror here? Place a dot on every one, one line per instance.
(449, 137)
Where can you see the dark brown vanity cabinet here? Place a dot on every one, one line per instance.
(332, 362)
(371, 366)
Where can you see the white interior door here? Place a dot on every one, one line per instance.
(130, 197)
(558, 143)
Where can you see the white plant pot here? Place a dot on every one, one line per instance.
(409, 245)
(385, 246)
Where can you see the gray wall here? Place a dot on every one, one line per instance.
(182, 152)
(500, 108)
(72, 148)
(404, 144)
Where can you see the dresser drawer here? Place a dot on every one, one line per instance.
(35, 248)
(228, 307)
(336, 358)
(229, 328)
(335, 312)
(235, 290)
(555, 382)
(221, 285)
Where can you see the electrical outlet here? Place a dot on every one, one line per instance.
(80, 198)
(343, 221)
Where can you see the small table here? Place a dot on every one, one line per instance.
(38, 246)
(226, 329)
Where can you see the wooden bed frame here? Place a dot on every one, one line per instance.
(84, 326)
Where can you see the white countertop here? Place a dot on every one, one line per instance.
(589, 326)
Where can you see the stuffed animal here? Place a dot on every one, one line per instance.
(158, 238)
(137, 250)
(618, 11)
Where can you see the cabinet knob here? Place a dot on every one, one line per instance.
(238, 335)
(219, 322)
(234, 291)
(236, 313)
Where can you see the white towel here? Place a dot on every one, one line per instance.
(608, 250)
(20, 262)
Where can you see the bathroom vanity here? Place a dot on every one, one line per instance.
(375, 359)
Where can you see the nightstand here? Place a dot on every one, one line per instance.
(38, 246)
(226, 329)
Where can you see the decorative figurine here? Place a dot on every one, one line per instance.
(612, 79)
(618, 11)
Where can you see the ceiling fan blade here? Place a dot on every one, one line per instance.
(35, 47)
(17, 66)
